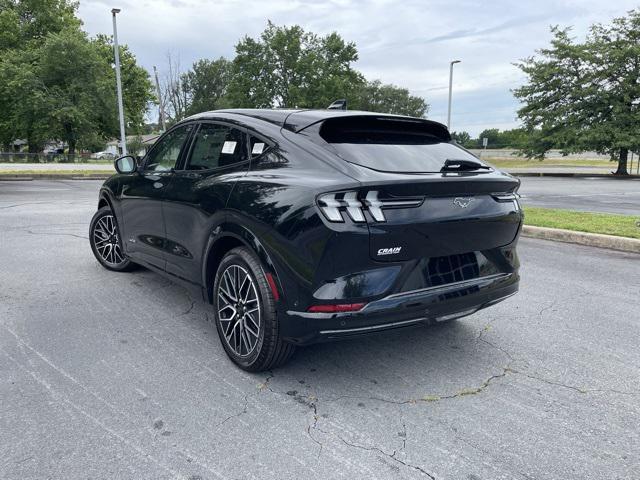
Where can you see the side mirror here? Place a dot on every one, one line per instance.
(126, 164)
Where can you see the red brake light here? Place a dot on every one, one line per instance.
(342, 307)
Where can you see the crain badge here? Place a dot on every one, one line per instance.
(389, 251)
(462, 202)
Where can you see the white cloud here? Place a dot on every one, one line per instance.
(405, 42)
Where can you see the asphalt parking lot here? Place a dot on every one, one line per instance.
(591, 194)
(106, 375)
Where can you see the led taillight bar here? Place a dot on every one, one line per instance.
(333, 204)
(335, 308)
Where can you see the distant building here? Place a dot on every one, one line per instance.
(17, 145)
(147, 141)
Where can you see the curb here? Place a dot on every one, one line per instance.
(62, 176)
(611, 242)
(573, 175)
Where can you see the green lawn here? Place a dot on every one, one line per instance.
(607, 223)
(556, 162)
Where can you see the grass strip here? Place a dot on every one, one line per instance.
(605, 223)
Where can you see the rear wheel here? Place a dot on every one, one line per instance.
(106, 242)
(245, 313)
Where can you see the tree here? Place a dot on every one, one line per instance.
(517, 138)
(30, 21)
(206, 85)
(137, 89)
(176, 96)
(376, 97)
(77, 83)
(23, 101)
(463, 138)
(493, 137)
(585, 96)
(284, 67)
(24, 26)
(288, 67)
(56, 83)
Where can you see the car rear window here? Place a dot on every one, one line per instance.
(391, 145)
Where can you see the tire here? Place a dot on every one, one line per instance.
(106, 243)
(245, 313)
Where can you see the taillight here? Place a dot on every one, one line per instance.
(333, 204)
(507, 197)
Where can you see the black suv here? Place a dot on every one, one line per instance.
(299, 226)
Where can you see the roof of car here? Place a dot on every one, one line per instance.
(298, 119)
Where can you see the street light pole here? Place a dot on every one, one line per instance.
(450, 89)
(116, 49)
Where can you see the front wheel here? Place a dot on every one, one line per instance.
(245, 313)
(106, 243)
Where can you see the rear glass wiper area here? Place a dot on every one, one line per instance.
(452, 165)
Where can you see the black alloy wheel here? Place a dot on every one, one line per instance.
(245, 313)
(106, 243)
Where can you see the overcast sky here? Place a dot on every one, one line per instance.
(406, 42)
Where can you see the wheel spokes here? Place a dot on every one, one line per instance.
(106, 240)
(238, 310)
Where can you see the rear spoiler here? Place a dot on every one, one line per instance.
(358, 121)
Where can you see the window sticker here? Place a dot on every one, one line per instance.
(229, 147)
(257, 149)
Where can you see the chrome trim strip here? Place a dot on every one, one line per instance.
(398, 299)
(461, 283)
(374, 327)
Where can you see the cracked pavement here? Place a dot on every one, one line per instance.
(106, 375)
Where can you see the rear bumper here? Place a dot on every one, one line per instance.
(401, 310)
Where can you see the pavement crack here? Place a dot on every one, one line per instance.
(471, 391)
(236, 415)
(20, 205)
(391, 456)
(436, 397)
(314, 426)
(57, 233)
(265, 385)
(544, 309)
(403, 434)
(188, 310)
(573, 387)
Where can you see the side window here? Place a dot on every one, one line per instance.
(217, 146)
(257, 146)
(164, 155)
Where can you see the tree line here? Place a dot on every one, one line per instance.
(57, 83)
(516, 138)
(285, 67)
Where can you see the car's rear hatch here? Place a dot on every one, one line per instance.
(422, 195)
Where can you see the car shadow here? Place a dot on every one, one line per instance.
(439, 359)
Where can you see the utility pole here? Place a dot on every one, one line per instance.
(160, 103)
(450, 89)
(116, 49)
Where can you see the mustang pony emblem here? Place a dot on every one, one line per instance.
(462, 202)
